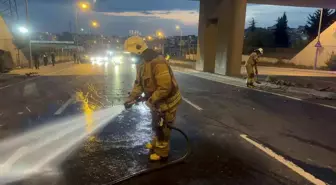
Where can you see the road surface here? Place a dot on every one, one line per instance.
(238, 135)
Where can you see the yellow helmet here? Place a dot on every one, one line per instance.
(135, 44)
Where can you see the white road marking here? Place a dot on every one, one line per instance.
(64, 106)
(328, 106)
(259, 90)
(287, 163)
(294, 98)
(282, 95)
(192, 104)
(28, 109)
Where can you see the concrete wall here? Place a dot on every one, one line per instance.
(6, 43)
(307, 55)
(221, 34)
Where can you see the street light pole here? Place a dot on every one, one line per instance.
(76, 27)
(29, 35)
(177, 27)
(318, 39)
(76, 20)
(181, 42)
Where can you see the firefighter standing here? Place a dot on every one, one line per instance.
(75, 57)
(53, 58)
(45, 59)
(156, 80)
(36, 60)
(251, 67)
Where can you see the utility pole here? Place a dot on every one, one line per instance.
(318, 44)
(29, 35)
(16, 11)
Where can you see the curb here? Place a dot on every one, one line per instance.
(313, 92)
(241, 82)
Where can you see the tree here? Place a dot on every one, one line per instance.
(252, 26)
(281, 37)
(259, 38)
(312, 26)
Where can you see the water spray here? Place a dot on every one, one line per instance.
(44, 148)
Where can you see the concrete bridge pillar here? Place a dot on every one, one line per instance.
(221, 36)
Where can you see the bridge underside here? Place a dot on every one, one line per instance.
(299, 3)
(221, 31)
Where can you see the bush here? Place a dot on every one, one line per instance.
(331, 64)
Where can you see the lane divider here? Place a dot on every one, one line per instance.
(285, 162)
(192, 104)
(64, 106)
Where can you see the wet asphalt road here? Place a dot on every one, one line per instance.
(302, 133)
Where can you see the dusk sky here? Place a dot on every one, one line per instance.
(118, 16)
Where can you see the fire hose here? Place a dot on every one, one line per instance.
(165, 165)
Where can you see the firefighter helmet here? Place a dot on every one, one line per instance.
(135, 44)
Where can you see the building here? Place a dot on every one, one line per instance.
(181, 46)
(12, 54)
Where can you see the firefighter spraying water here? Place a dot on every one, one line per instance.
(156, 80)
(44, 148)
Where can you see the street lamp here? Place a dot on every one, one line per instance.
(94, 24)
(28, 23)
(23, 30)
(160, 34)
(149, 38)
(178, 28)
(83, 6)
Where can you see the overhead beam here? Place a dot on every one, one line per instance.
(298, 3)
